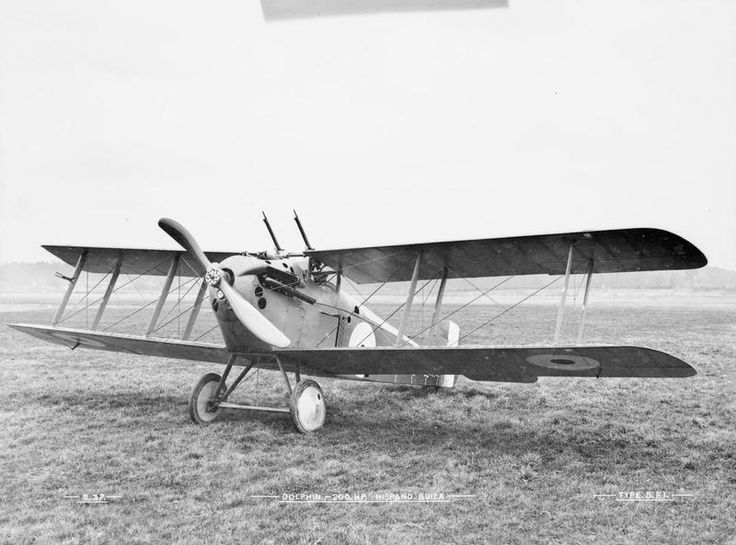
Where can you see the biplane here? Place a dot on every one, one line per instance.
(289, 312)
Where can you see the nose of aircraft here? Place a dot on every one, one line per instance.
(236, 266)
(214, 275)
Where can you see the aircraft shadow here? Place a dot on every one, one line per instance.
(403, 430)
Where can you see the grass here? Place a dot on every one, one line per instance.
(534, 456)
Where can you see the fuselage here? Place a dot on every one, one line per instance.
(311, 311)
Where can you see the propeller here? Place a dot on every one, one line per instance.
(214, 276)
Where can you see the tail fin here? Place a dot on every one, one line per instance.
(450, 332)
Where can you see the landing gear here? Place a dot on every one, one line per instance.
(201, 409)
(307, 406)
(306, 401)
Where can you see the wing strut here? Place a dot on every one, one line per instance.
(164, 294)
(561, 311)
(108, 293)
(195, 311)
(585, 300)
(409, 300)
(70, 289)
(437, 308)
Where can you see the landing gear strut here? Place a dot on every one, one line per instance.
(306, 401)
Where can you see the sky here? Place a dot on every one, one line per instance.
(540, 117)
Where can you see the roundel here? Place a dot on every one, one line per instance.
(563, 361)
(362, 336)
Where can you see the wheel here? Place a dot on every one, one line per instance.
(307, 406)
(203, 392)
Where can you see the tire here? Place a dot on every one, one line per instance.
(307, 406)
(203, 392)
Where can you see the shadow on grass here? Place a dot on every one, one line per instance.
(92, 400)
(397, 428)
(597, 444)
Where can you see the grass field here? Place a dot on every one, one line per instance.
(532, 457)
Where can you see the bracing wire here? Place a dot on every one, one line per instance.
(510, 308)
(440, 320)
(210, 330)
(139, 309)
(379, 326)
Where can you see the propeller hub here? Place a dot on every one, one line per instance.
(213, 277)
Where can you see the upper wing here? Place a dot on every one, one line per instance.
(132, 260)
(503, 364)
(620, 250)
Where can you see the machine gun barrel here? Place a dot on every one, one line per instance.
(288, 290)
(270, 232)
(301, 230)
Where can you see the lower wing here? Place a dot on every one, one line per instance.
(502, 364)
(130, 344)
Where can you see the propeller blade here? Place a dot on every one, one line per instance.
(214, 276)
(185, 239)
(256, 322)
